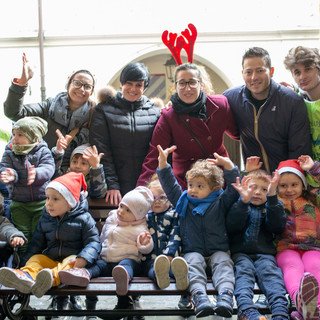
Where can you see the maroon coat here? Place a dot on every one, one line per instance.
(171, 131)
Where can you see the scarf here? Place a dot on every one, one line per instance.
(60, 112)
(23, 149)
(201, 204)
(196, 109)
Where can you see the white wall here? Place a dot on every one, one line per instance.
(103, 36)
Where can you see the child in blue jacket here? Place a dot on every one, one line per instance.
(202, 209)
(253, 223)
(27, 167)
(66, 237)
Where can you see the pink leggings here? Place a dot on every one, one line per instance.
(294, 263)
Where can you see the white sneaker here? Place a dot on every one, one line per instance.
(17, 279)
(179, 268)
(161, 269)
(43, 282)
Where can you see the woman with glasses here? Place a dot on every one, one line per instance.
(68, 111)
(122, 129)
(195, 123)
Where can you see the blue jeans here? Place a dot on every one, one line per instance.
(263, 269)
(104, 269)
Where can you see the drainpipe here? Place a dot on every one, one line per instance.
(40, 36)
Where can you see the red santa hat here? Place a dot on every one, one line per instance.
(293, 166)
(69, 186)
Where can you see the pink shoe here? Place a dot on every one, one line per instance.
(121, 277)
(75, 277)
(295, 315)
(307, 298)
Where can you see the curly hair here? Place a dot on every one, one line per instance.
(211, 173)
(309, 57)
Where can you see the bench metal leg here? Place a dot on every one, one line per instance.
(13, 305)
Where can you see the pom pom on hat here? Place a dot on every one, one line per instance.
(293, 167)
(139, 201)
(69, 186)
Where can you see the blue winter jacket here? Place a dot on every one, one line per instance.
(41, 158)
(252, 229)
(278, 131)
(74, 234)
(205, 234)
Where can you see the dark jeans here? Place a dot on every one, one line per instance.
(104, 269)
(262, 269)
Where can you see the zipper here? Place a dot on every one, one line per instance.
(30, 187)
(256, 123)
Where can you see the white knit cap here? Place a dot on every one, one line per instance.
(139, 201)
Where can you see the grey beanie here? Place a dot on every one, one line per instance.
(34, 128)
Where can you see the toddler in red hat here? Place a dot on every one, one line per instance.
(299, 245)
(65, 237)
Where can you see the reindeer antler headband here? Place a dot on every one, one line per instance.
(184, 41)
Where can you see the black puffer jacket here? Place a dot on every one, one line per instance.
(122, 131)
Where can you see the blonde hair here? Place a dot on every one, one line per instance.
(259, 174)
(211, 173)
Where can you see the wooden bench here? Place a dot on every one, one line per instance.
(15, 305)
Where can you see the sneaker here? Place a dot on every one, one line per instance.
(121, 277)
(307, 297)
(224, 305)
(179, 268)
(202, 305)
(280, 318)
(295, 315)
(250, 314)
(185, 302)
(76, 303)
(17, 279)
(43, 283)
(75, 277)
(161, 269)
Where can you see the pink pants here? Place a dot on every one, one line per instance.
(294, 263)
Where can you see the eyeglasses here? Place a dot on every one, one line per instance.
(193, 84)
(79, 84)
(161, 198)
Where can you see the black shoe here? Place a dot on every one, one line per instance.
(58, 303)
(91, 303)
(185, 302)
(76, 303)
(124, 302)
(136, 306)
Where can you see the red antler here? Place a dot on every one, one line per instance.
(174, 44)
(191, 39)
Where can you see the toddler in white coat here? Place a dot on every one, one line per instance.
(124, 238)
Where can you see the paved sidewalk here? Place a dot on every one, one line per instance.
(148, 301)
